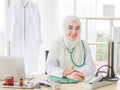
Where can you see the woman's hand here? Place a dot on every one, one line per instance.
(76, 76)
(67, 72)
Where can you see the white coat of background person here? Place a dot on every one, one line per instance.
(70, 56)
(23, 32)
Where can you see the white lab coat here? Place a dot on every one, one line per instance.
(23, 32)
(55, 67)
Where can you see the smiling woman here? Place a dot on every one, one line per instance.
(70, 56)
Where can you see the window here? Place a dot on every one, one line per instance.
(98, 36)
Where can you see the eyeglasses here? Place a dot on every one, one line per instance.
(71, 28)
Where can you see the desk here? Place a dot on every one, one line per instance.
(77, 86)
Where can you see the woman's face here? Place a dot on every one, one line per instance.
(73, 30)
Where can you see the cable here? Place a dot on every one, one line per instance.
(104, 66)
(102, 72)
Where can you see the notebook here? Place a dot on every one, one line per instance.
(12, 66)
(61, 79)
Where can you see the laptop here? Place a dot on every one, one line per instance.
(12, 66)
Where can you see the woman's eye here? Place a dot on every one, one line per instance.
(77, 28)
(70, 28)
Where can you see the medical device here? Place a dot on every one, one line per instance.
(70, 52)
(98, 77)
(100, 80)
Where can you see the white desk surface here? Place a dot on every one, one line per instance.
(77, 86)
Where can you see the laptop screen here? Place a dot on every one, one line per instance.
(12, 66)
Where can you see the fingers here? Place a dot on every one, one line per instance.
(80, 74)
(76, 76)
(67, 71)
(79, 78)
(72, 74)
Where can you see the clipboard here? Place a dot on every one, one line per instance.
(61, 79)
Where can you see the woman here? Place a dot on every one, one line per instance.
(70, 56)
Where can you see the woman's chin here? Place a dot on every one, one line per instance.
(72, 39)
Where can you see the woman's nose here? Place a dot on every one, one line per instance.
(74, 31)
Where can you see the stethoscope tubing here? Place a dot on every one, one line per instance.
(70, 52)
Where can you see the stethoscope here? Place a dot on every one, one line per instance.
(71, 52)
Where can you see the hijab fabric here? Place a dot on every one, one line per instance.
(60, 50)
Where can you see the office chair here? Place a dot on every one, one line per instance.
(46, 55)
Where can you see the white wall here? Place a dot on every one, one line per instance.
(49, 27)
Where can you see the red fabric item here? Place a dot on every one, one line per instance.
(9, 81)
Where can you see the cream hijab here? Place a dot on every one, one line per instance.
(60, 50)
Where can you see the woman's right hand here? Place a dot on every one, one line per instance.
(72, 74)
(67, 71)
(76, 76)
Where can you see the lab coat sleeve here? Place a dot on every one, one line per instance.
(53, 65)
(37, 30)
(89, 68)
(10, 22)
